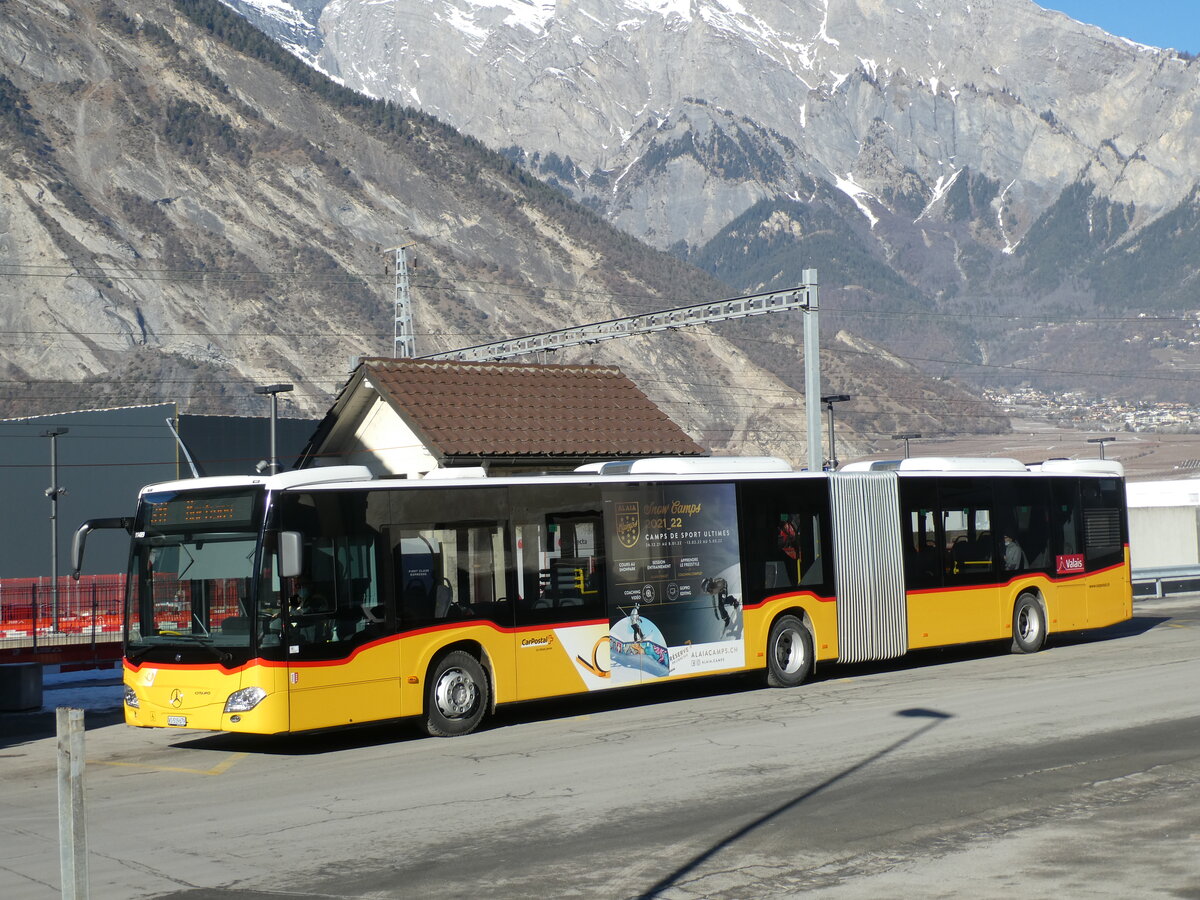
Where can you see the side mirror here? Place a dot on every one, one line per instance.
(81, 533)
(291, 554)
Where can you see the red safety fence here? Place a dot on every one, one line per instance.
(85, 611)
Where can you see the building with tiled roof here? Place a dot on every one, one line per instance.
(407, 417)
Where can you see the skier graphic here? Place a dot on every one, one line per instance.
(635, 622)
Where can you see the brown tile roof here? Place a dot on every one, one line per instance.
(521, 409)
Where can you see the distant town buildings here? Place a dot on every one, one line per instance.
(1086, 412)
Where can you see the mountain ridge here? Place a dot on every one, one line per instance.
(191, 212)
(964, 146)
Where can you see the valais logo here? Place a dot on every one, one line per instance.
(1069, 564)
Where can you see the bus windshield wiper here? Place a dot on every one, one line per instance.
(220, 655)
(135, 655)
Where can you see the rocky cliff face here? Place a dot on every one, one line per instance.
(971, 157)
(188, 211)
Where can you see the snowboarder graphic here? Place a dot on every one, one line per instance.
(725, 606)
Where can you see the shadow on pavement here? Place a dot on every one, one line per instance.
(935, 717)
(401, 731)
(25, 727)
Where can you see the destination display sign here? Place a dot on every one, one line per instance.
(199, 511)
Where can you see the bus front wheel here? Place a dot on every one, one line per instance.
(457, 697)
(789, 653)
(1029, 625)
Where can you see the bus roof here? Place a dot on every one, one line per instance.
(666, 468)
(989, 465)
(280, 481)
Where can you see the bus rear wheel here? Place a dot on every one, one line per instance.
(789, 653)
(457, 697)
(1029, 625)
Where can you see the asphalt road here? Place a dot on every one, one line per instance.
(1073, 772)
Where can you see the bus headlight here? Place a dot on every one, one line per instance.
(131, 697)
(244, 700)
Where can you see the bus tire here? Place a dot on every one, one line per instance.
(789, 653)
(1029, 624)
(457, 697)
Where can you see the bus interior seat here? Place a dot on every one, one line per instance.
(416, 601)
(777, 574)
(443, 598)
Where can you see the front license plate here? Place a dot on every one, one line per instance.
(177, 720)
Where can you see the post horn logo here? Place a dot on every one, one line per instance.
(629, 523)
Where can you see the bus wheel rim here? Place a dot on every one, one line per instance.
(789, 651)
(1028, 624)
(455, 694)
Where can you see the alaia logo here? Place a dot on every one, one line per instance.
(629, 523)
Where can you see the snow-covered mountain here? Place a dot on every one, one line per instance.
(961, 153)
(852, 92)
(186, 211)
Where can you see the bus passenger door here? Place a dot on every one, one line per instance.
(343, 659)
(1066, 605)
(562, 629)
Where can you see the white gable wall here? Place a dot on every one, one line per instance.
(384, 443)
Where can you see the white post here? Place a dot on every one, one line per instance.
(72, 824)
(812, 373)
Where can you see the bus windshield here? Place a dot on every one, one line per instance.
(192, 574)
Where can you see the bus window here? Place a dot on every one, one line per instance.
(920, 530)
(560, 555)
(1103, 535)
(1064, 523)
(787, 536)
(338, 601)
(450, 569)
(452, 572)
(971, 545)
(1023, 515)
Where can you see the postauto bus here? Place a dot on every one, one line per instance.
(323, 597)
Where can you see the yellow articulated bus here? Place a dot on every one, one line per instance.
(323, 597)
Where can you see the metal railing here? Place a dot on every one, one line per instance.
(1158, 581)
(88, 611)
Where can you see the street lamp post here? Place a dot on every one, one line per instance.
(274, 390)
(53, 493)
(1101, 441)
(829, 400)
(908, 436)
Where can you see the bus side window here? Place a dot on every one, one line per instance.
(1023, 514)
(967, 527)
(920, 529)
(449, 573)
(560, 563)
(798, 559)
(785, 536)
(1063, 522)
(1103, 531)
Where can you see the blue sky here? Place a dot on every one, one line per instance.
(1161, 23)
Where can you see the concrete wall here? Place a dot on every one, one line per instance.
(1164, 536)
